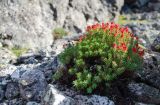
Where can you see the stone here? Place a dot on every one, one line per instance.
(151, 69)
(156, 44)
(154, 6)
(32, 103)
(33, 29)
(26, 23)
(93, 100)
(16, 75)
(32, 85)
(142, 104)
(142, 2)
(7, 70)
(6, 56)
(1, 94)
(16, 101)
(144, 93)
(54, 97)
(58, 46)
(12, 90)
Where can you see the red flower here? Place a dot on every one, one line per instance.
(141, 53)
(88, 28)
(134, 49)
(114, 45)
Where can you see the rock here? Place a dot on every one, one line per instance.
(1, 94)
(156, 44)
(12, 90)
(32, 85)
(17, 101)
(151, 69)
(26, 23)
(1, 45)
(144, 93)
(6, 56)
(16, 75)
(129, 1)
(142, 104)
(154, 6)
(93, 100)
(32, 103)
(7, 70)
(33, 29)
(142, 2)
(58, 45)
(53, 97)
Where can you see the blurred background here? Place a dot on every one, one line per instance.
(34, 32)
(37, 23)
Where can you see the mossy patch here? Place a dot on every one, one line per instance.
(122, 20)
(59, 33)
(18, 51)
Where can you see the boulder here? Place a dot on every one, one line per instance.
(54, 97)
(1, 94)
(93, 100)
(26, 23)
(6, 56)
(32, 85)
(144, 93)
(156, 44)
(29, 24)
(151, 69)
(12, 90)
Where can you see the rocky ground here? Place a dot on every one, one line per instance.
(27, 79)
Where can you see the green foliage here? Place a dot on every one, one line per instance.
(59, 33)
(123, 20)
(18, 51)
(100, 56)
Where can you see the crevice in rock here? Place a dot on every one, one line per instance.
(54, 11)
(77, 29)
(140, 80)
(5, 37)
(69, 3)
(86, 16)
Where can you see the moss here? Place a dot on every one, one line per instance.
(18, 51)
(123, 20)
(59, 33)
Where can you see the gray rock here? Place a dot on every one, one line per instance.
(29, 24)
(154, 6)
(142, 104)
(7, 70)
(26, 23)
(6, 56)
(144, 93)
(1, 45)
(142, 2)
(93, 100)
(53, 97)
(12, 90)
(1, 94)
(32, 85)
(151, 69)
(156, 44)
(16, 75)
(17, 101)
(32, 103)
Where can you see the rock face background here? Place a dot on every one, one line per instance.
(28, 79)
(29, 23)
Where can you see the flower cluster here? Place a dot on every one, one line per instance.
(105, 52)
(121, 33)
